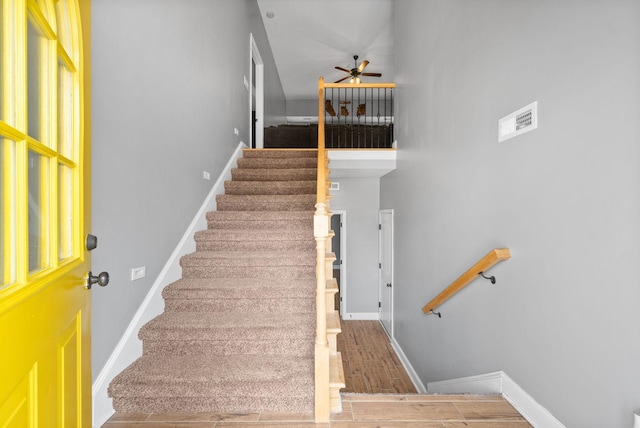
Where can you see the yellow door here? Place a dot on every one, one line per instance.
(45, 344)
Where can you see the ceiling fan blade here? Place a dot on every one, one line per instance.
(344, 78)
(372, 74)
(343, 69)
(363, 65)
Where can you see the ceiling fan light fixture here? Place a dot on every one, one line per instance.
(357, 71)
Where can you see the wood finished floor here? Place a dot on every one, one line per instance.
(359, 411)
(371, 366)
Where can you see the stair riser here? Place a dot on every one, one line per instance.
(283, 260)
(277, 163)
(260, 224)
(274, 290)
(226, 206)
(284, 348)
(218, 402)
(252, 153)
(264, 174)
(255, 235)
(267, 188)
(293, 272)
(256, 304)
(212, 245)
(228, 203)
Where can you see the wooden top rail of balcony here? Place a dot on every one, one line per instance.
(487, 262)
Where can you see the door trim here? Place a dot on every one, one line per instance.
(343, 257)
(380, 281)
(254, 57)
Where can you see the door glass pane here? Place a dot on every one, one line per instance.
(7, 212)
(34, 68)
(38, 204)
(47, 12)
(64, 29)
(65, 212)
(65, 111)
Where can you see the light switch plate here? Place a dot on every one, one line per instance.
(138, 273)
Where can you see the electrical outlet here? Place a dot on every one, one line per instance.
(206, 175)
(138, 272)
(235, 131)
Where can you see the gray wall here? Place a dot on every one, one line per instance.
(563, 318)
(360, 198)
(302, 108)
(167, 92)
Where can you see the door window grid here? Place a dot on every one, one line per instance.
(38, 144)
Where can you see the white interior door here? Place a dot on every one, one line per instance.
(386, 270)
(256, 96)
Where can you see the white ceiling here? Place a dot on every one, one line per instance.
(310, 37)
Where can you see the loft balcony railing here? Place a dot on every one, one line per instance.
(358, 115)
(354, 116)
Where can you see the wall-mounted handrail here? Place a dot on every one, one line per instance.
(487, 262)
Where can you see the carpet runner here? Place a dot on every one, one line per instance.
(237, 333)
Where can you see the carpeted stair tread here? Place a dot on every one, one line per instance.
(255, 235)
(248, 258)
(179, 326)
(237, 288)
(290, 187)
(251, 245)
(287, 153)
(266, 174)
(265, 202)
(278, 220)
(233, 294)
(248, 264)
(275, 163)
(281, 305)
(202, 383)
(230, 404)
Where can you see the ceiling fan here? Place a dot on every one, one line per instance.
(356, 71)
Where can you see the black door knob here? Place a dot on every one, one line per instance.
(102, 279)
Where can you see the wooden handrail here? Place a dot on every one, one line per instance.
(493, 257)
(321, 196)
(360, 85)
(322, 405)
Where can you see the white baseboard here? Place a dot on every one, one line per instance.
(499, 383)
(129, 347)
(488, 383)
(413, 375)
(360, 316)
(528, 407)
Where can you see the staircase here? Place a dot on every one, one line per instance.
(237, 333)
